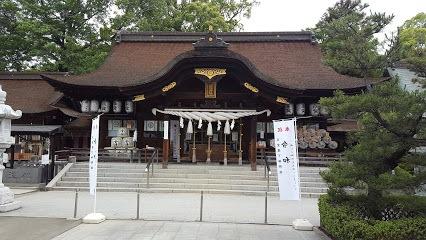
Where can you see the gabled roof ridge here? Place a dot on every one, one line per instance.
(152, 36)
(28, 75)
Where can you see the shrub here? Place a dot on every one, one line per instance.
(342, 222)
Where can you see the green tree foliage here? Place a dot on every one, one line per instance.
(346, 36)
(76, 36)
(412, 38)
(13, 48)
(59, 35)
(189, 16)
(381, 157)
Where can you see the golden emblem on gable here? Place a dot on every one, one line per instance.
(138, 98)
(281, 100)
(210, 72)
(251, 87)
(169, 86)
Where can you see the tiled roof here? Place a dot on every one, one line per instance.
(27, 91)
(288, 60)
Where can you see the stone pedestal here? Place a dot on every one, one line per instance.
(7, 198)
(94, 218)
(302, 225)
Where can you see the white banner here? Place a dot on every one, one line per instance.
(93, 161)
(287, 159)
(166, 129)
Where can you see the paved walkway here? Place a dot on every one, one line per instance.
(24, 228)
(168, 206)
(161, 230)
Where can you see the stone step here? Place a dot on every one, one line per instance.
(186, 171)
(175, 173)
(193, 167)
(190, 176)
(189, 180)
(171, 190)
(185, 186)
(224, 170)
(190, 166)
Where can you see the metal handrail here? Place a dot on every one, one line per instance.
(267, 170)
(150, 165)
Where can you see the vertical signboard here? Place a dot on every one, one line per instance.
(175, 138)
(287, 159)
(93, 161)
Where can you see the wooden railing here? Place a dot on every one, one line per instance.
(105, 155)
(323, 159)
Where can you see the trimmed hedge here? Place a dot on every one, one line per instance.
(342, 223)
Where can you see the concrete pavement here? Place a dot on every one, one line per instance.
(25, 228)
(163, 230)
(168, 206)
(166, 216)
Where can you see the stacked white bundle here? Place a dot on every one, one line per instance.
(315, 138)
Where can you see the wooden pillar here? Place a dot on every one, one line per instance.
(166, 147)
(225, 152)
(240, 151)
(194, 148)
(139, 130)
(252, 144)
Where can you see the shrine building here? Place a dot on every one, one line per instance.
(217, 93)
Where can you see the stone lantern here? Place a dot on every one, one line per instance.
(7, 201)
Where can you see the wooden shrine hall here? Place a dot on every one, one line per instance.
(200, 97)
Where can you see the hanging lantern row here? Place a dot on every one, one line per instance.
(105, 106)
(314, 109)
(190, 128)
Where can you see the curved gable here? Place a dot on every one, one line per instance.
(294, 63)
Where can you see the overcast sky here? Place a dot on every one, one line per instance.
(295, 15)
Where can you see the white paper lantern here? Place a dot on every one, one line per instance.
(116, 106)
(300, 109)
(289, 109)
(105, 106)
(94, 106)
(314, 109)
(85, 106)
(128, 106)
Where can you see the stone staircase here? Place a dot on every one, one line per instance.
(181, 178)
